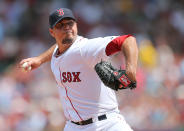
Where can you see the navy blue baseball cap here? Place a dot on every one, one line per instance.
(60, 14)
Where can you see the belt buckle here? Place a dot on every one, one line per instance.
(80, 122)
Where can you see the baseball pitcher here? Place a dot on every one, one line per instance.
(87, 74)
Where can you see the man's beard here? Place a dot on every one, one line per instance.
(67, 41)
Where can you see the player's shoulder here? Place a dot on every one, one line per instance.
(81, 38)
(88, 42)
(101, 39)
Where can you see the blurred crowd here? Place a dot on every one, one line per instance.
(30, 101)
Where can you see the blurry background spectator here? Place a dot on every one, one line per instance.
(30, 101)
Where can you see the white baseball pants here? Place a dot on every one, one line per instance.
(114, 122)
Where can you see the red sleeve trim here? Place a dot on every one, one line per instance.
(115, 45)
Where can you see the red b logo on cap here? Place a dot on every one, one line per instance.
(60, 11)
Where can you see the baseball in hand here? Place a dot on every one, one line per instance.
(25, 67)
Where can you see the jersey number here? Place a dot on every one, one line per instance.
(71, 77)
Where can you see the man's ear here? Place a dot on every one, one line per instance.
(51, 32)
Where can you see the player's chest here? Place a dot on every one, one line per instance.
(67, 69)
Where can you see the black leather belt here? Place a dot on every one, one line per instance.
(90, 120)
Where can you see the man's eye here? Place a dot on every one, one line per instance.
(71, 23)
(62, 25)
(59, 26)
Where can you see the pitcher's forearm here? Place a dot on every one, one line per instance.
(47, 55)
(130, 51)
